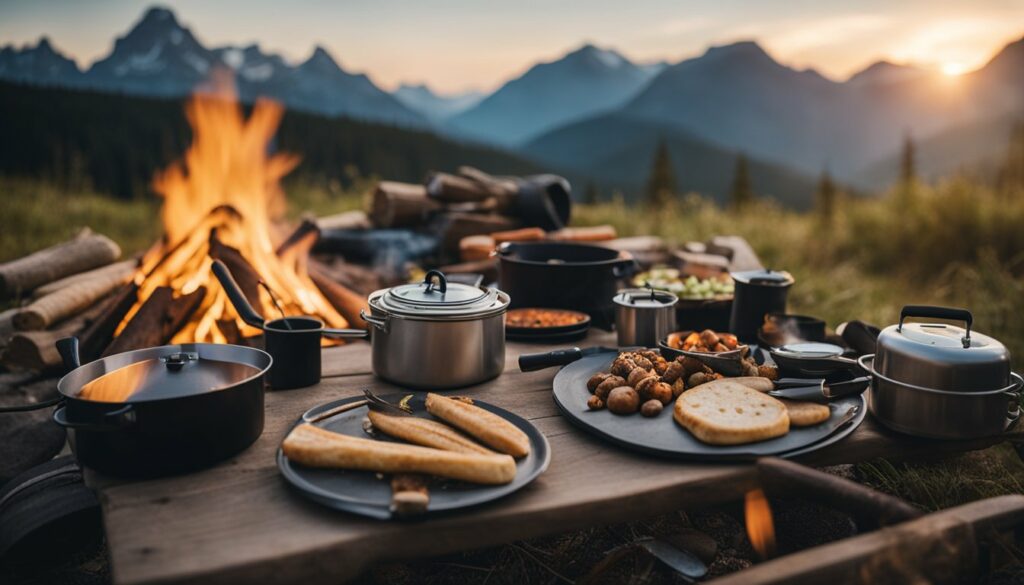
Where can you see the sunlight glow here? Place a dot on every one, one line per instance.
(953, 69)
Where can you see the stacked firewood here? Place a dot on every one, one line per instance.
(59, 291)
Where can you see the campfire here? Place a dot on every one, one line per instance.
(220, 202)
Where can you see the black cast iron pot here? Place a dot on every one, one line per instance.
(162, 410)
(561, 275)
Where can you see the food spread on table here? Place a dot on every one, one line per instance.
(686, 288)
(703, 341)
(543, 318)
(445, 449)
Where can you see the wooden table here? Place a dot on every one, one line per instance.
(240, 522)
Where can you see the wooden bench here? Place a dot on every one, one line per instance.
(239, 521)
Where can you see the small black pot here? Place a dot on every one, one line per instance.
(757, 293)
(559, 275)
(191, 406)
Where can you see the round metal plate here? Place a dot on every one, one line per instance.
(662, 436)
(369, 494)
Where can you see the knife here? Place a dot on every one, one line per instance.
(531, 362)
(818, 390)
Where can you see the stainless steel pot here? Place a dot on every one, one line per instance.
(437, 335)
(644, 316)
(942, 381)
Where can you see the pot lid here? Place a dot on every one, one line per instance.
(763, 277)
(645, 298)
(941, 356)
(175, 374)
(435, 296)
(811, 349)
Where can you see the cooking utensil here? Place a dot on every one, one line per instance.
(727, 363)
(162, 410)
(293, 342)
(757, 293)
(564, 275)
(942, 381)
(437, 334)
(663, 437)
(859, 335)
(682, 562)
(644, 315)
(366, 494)
(531, 362)
(820, 390)
(813, 359)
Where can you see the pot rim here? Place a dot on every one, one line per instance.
(506, 254)
(1016, 385)
(156, 352)
(500, 307)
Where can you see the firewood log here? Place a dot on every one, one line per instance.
(84, 252)
(98, 335)
(122, 270)
(69, 300)
(503, 189)
(157, 320)
(349, 220)
(400, 205)
(37, 350)
(456, 189)
(456, 226)
(7, 326)
(307, 230)
(344, 300)
(597, 233)
(243, 272)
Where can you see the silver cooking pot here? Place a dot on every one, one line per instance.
(437, 334)
(942, 381)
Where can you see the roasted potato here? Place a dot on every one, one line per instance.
(623, 400)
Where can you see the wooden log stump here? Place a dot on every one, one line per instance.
(67, 301)
(122, 271)
(84, 252)
(401, 205)
(343, 299)
(36, 350)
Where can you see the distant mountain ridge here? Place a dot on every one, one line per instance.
(584, 82)
(435, 107)
(159, 57)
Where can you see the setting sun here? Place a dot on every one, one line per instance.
(953, 69)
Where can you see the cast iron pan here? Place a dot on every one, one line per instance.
(366, 494)
(662, 436)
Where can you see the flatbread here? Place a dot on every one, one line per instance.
(805, 414)
(724, 412)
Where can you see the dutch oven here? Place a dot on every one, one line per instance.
(161, 410)
(437, 334)
(562, 275)
(942, 381)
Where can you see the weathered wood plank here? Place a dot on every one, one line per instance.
(240, 522)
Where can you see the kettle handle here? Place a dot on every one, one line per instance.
(950, 313)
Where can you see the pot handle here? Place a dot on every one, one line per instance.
(863, 360)
(625, 268)
(235, 294)
(1013, 409)
(111, 421)
(950, 313)
(346, 333)
(381, 324)
(442, 282)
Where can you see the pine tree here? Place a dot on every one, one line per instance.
(908, 169)
(661, 183)
(1011, 173)
(742, 193)
(825, 197)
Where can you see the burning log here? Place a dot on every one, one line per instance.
(98, 335)
(245, 275)
(869, 507)
(84, 252)
(69, 300)
(119, 270)
(159, 318)
(347, 302)
(400, 204)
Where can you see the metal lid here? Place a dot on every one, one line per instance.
(165, 372)
(763, 277)
(811, 349)
(941, 356)
(645, 298)
(439, 299)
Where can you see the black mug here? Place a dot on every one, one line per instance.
(757, 293)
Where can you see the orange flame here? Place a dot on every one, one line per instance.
(760, 529)
(227, 182)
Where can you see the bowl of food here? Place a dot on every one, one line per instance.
(704, 303)
(543, 324)
(722, 352)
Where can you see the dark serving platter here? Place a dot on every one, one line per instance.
(556, 334)
(369, 494)
(663, 437)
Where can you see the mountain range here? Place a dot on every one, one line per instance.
(597, 114)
